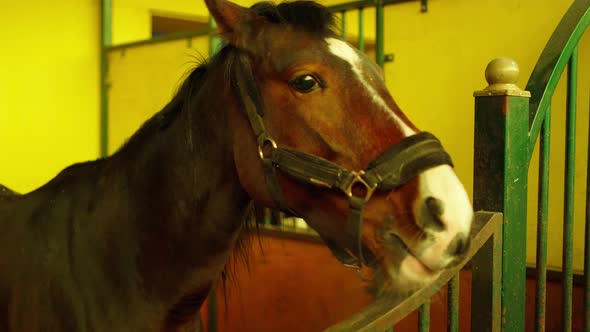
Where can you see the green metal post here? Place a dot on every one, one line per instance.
(106, 15)
(423, 6)
(568, 222)
(453, 305)
(106, 10)
(542, 217)
(500, 181)
(379, 39)
(424, 317)
(214, 40)
(361, 30)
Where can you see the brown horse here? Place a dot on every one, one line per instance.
(285, 115)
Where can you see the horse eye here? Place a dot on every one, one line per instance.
(305, 83)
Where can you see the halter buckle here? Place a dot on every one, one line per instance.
(358, 179)
(267, 141)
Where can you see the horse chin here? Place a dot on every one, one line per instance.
(399, 278)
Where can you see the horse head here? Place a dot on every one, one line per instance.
(317, 134)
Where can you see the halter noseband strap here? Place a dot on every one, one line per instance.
(396, 166)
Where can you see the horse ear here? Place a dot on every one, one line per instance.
(228, 16)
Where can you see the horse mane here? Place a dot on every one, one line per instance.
(303, 15)
(6, 194)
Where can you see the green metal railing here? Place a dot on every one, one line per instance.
(542, 218)
(507, 128)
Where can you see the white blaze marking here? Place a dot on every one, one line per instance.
(342, 50)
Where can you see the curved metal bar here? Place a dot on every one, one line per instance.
(552, 63)
(385, 312)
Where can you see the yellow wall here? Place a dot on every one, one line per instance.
(49, 60)
(132, 18)
(160, 68)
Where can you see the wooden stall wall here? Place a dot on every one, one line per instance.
(298, 286)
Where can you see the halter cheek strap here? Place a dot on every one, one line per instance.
(245, 85)
(397, 165)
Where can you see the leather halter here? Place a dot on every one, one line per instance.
(397, 165)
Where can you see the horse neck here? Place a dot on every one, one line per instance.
(188, 203)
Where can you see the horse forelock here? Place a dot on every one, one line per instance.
(303, 15)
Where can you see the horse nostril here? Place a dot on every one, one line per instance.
(434, 206)
(435, 210)
(458, 246)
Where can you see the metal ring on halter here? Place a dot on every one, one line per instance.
(358, 178)
(266, 141)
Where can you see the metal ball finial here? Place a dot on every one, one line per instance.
(502, 74)
(502, 71)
